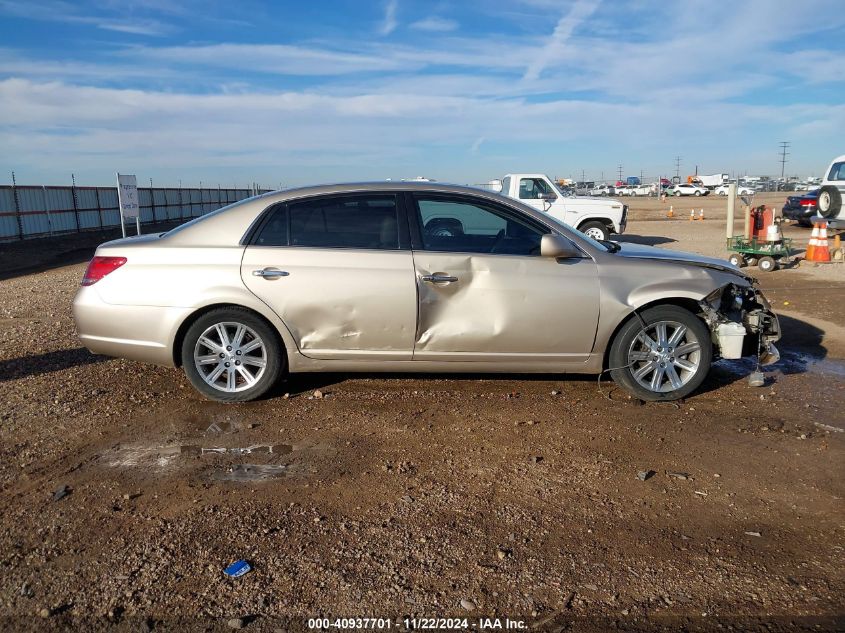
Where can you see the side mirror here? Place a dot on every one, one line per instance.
(556, 246)
(548, 197)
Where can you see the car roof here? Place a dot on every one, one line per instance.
(226, 226)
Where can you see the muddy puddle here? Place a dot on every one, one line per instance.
(252, 472)
(791, 362)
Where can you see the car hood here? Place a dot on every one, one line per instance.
(637, 251)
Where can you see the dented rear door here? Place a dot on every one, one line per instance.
(339, 272)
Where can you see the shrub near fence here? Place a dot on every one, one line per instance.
(38, 211)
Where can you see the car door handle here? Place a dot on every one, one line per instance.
(270, 273)
(439, 278)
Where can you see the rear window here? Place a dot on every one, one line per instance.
(358, 221)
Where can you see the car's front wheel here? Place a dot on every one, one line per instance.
(232, 355)
(664, 353)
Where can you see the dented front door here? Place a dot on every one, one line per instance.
(485, 293)
(517, 308)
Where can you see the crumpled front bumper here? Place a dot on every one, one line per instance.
(745, 306)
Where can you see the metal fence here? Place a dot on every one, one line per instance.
(39, 211)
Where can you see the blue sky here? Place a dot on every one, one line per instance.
(293, 93)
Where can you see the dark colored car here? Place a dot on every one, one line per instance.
(801, 208)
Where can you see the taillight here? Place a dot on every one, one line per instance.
(99, 267)
(807, 203)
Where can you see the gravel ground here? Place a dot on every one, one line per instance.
(421, 496)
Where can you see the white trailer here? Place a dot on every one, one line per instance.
(714, 180)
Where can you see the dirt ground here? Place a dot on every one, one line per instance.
(423, 496)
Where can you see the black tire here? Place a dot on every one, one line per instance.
(767, 264)
(737, 260)
(444, 227)
(622, 369)
(273, 355)
(830, 201)
(678, 194)
(595, 227)
(697, 194)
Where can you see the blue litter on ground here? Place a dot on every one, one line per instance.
(237, 569)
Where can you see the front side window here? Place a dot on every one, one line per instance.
(360, 221)
(467, 227)
(534, 189)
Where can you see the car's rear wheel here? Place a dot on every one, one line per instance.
(232, 355)
(664, 354)
(678, 193)
(596, 230)
(697, 193)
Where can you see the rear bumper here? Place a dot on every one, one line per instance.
(142, 333)
(801, 213)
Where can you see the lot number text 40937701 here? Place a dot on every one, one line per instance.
(417, 624)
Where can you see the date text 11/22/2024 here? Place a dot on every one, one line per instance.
(416, 624)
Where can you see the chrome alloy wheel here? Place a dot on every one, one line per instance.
(230, 356)
(664, 356)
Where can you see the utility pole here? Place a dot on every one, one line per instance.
(583, 178)
(677, 166)
(784, 145)
(620, 173)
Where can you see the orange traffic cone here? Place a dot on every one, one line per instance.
(671, 213)
(811, 245)
(701, 214)
(822, 251)
(691, 215)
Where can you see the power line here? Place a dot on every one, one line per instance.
(784, 145)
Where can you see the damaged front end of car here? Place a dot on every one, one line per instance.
(742, 322)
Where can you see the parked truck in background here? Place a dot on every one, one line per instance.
(595, 217)
(713, 180)
(832, 191)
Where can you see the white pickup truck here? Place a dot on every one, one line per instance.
(830, 207)
(592, 216)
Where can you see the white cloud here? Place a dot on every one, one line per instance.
(435, 24)
(389, 22)
(278, 59)
(59, 11)
(553, 48)
(51, 125)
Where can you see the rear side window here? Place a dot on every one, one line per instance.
(275, 231)
(837, 172)
(358, 221)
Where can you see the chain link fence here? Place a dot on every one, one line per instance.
(42, 210)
